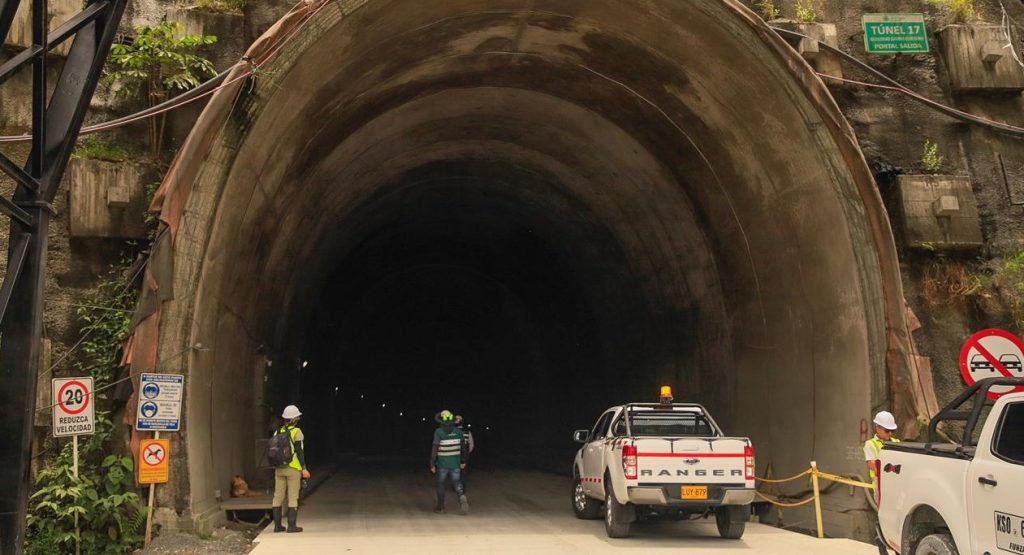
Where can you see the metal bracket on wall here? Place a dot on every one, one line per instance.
(56, 122)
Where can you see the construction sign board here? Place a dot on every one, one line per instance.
(993, 353)
(160, 402)
(154, 457)
(895, 33)
(74, 412)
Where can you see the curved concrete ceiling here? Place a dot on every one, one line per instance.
(666, 176)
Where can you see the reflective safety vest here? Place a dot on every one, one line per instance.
(876, 445)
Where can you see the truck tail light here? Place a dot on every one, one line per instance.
(748, 461)
(629, 461)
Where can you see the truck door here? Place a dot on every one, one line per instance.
(593, 455)
(995, 482)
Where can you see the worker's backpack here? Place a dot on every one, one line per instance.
(279, 448)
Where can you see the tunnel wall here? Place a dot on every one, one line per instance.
(688, 134)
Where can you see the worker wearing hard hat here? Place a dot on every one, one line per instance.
(288, 478)
(448, 459)
(885, 425)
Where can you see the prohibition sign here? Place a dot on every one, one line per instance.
(154, 454)
(85, 397)
(993, 353)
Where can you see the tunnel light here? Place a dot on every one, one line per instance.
(401, 414)
(336, 388)
(305, 363)
(488, 428)
(424, 419)
(362, 396)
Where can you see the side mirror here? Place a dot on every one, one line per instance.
(581, 436)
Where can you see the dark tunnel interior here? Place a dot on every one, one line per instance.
(456, 297)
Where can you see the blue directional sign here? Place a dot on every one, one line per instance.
(160, 402)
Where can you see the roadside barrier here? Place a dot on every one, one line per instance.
(815, 475)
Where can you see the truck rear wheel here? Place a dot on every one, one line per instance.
(732, 521)
(616, 515)
(936, 544)
(585, 507)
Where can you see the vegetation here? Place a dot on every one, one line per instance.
(98, 149)
(931, 160)
(809, 11)
(109, 512)
(961, 11)
(1008, 281)
(221, 6)
(769, 10)
(160, 62)
(995, 290)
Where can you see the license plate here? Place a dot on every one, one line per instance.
(695, 492)
(1009, 532)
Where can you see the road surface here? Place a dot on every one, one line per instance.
(512, 511)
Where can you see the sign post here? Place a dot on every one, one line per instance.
(154, 468)
(993, 353)
(74, 414)
(159, 411)
(895, 33)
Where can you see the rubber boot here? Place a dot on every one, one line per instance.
(463, 505)
(293, 515)
(276, 511)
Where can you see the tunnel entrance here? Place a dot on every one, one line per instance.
(528, 210)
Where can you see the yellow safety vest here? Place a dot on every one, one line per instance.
(876, 446)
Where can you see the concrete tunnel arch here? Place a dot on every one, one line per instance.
(667, 175)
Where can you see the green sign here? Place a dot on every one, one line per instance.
(892, 33)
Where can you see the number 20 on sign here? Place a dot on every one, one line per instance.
(74, 413)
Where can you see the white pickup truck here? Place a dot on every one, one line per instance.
(948, 498)
(662, 460)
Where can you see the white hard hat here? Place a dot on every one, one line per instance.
(886, 420)
(291, 411)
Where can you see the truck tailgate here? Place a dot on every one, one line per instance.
(691, 460)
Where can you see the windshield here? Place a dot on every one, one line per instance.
(650, 423)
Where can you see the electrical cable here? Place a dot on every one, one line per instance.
(204, 90)
(896, 86)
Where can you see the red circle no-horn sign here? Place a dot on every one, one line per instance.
(993, 353)
(78, 396)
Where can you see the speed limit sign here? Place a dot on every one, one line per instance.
(74, 413)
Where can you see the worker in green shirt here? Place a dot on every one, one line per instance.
(448, 459)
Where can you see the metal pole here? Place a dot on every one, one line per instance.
(74, 471)
(152, 500)
(21, 329)
(817, 498)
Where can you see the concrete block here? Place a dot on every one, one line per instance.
(107, 199)
(810, 47)
(20, 35)
(977, 60)
(939, 212)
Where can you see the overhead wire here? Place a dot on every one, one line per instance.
(206, 89)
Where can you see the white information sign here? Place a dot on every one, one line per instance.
(74, 412)
(160, 402)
